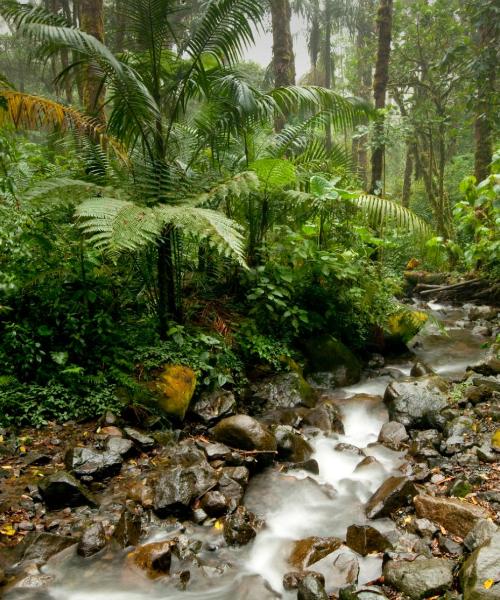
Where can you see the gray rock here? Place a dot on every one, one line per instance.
(87, 462)
(480, 534)
(490, 365)
(240, 527)
(393, 435)
(455, 516)
(292, 446)
(349, 448)
(480, 570)
(394, 493)
(325, 416)
(331, 362)
(420, 578)
(118, 445)
(245, 433)
(210, 408)
(420, 369)
(365, 539)
(39, 547)
(285, 390)
(61, 489)
(92, 541)
(214, 503)
(311, 588)
(143, 441)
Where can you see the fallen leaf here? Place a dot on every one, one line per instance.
(218, 525)
(10, 531)
(488, 583)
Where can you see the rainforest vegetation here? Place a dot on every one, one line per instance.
(166, 197)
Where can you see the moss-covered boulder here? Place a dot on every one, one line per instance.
(173, 388)
(330, 361)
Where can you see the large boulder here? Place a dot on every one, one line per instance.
(174, 388)
(420, 578)
(61, 489)
(479, 575)
(210, 408)
(285, 390)
(456, 516)
(417, 403)
(331, 363)
(245, 433)
(393, 435)
(394, 493)
(87, 462)
(292, 446)
(325, 416)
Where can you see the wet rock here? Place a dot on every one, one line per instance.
(214, 503)
(417, 403)
(240, 527)
(178, 487)
(61, 489)
(393, 435)
(153, 559)
(310, 465)
(479, 574)
(142, 492)
(480, 534)
(39, 547)
(449, 546)
(254, 587)
(420, 369)
(311, 588)
(87, 462)
(460, 488)
(488, 313)
(455, 516)
(420, 578)
(292, 579)
(325, 416)
(309, 550)
(143, 441)
(485, 454)
(292, 447)
(128, 530)
(481, 331)
(394, 493)
(245, 433)
(425, 527)
(174, 388)
(346, 568)
(92, 541)
(210, 408)
(285, 390)
(366, 592)
(120, 446)
(490, 365)
(367, 462)
(365, 539)
(376, 361)
(110, 431)
(238, 474)
(349, 448)
(217, 451)
(331, 362)
(29, 585)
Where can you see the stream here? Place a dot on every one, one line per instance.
(294, 504)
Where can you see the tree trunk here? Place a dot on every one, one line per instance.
(327, 59)
(168, 305)
(405, 199)
(381, 78)
(92, 22)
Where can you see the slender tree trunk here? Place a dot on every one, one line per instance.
(405, 199)
(327, 59)
(168, 305)
(381, 78)
(92, 22)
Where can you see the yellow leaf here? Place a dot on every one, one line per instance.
(22, 449)
(407, 520)
(488, 583)
(218, 525)
(8, 530)
(1, 439)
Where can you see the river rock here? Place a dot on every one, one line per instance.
(311, 588)
(417, 403)
(394, 493)
(210, 408)
(480, 534)
(420, 578)
(454, 515)
(365, 592)
(365, 539)
(61, 489)
(245, 433)
(393, 435)
(309, 550)
(285, 390)
(143, 441)
(128, 530)
(153, 559)
(349, 449)
(214, 503)
(239, 474)
(325, 416)
(490, 365)
(292, 579)
(119, 445)
(292, 447)
(479, 575)
(179, 486)
(87, 462)
(240, 527)
(39, 547)
(331, 363)
(420, 369)
(255, 587)
(346, 568)
(174, 387)
(92, 541)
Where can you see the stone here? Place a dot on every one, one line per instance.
(326, 355)
(254, 587)
(365, 539)
(245, 433)
(325, 416)
(239, 474)
(119, 445)
(39, 547)
(292, 579)
(60, 489)
(366, 592)
(349, 448)
(400, 329)
(154, 559)
(417, 403)
(210, 408)
(311, 588)
(394, 493)
(456, 516)
(87, 462)
(179, 486)
(231, 490)
(460, 488)
(217, 452)
(285, 390)
(420, 369)
(214, 503)
(393, 435)
(449, 546)
(128, 530)
(240, 527)
(292, 447)
(480, 534)
(143, 441)
(174, 388)
(420, 578)
(92, 541)
(490, 365)
(479, 575)
(488, 313)
(426, 528)
(346, 568)
(309, 550)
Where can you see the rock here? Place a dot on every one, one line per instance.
(425, 527)
(349, 448)
(87, 462)
(110, 431)
(210, 408)
(285, 390)
(174, 388)
(217, 451)
(376, 361)
(488, 313)
(325, 416)
(118, 445)
(292, 447)
(309, 550)
(449, 546)
(61, 489)
(92, 541)
(485, 454)
(346, 568)
(490, 365)
(214, 503)
(292, 579)
(460, 488)
(128, 529)
(420, 369)
(365, 539)
(420, 578)
(239, 474)
(245, 433)
(39, 547)
(366, 463)
(311, 588)
(154, 559)
(331, 362)
(480, 534)
(455, 516)
(479, 575)
(144, 442)
(481, 331)
(178, 487)
(417, 403)
(394, 493)
(401, 328)
(240, 527)
(366, 592)
(254, 587)
(393, 435)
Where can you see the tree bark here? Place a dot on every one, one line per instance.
(92, 21)
(405, 199)
(380, 81)
(327, 59)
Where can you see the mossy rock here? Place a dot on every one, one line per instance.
(495, 440)
(325, 354)
(173, 388)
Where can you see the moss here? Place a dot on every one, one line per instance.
(174, 388)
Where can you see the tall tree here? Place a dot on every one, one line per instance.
(380, 81)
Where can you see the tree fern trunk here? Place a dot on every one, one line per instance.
(168, 306)
(283, 56)
(92, 22)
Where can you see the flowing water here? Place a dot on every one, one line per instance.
(294, 505)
